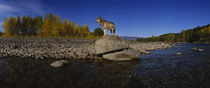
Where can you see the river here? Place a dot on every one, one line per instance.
(160, 69)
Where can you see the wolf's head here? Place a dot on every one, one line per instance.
(99, 19)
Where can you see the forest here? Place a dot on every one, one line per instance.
(198, 34)
(49, 26)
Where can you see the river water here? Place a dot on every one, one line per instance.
(161, 69)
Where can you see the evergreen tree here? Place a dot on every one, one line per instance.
(24, 29)
(39, 24)
(18, 24)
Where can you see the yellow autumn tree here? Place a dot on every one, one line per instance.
(55, 27)
(5, 28)
(46, 27)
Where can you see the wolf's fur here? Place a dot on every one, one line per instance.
(106, 25)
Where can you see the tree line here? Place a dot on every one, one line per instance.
(49, 26)
(198, 34)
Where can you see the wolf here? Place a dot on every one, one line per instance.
(106, 25)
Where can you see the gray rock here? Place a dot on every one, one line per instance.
(59, 63)
(110, 43)
(179, 53)
(200, 50)
(122, 55)
(194, 48)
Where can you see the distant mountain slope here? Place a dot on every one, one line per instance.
(129, 38)
(197, 34)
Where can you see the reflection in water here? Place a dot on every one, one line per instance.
(32, 73)
(165, 69)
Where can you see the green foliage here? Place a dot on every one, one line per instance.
(198, 34)
(49, 26)
(98, 32)
(1, 33)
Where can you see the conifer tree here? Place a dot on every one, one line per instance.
(18, 24)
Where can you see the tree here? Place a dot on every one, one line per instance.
(86, 30)
(24, 29)
(5, 27)
(183, 35)
(98, 32)
(46, 27)
(12, 27)
(1, 33)
(18, 24)
(78, 31)
(51, 25)
(39, 24)
(55, 27)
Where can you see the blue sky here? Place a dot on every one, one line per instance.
(142, 18)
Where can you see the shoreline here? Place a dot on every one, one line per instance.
(46, 48)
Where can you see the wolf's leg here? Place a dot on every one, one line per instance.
(112, 31)
(106, 31)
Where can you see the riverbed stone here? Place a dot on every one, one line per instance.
(124, 55)
(59, 63)
(200, 50)
(110, 43)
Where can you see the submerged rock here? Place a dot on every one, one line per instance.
(110, 43)
(201, 50)
(194, 48)
(179, 53)
(146, 52)
(122, 55)
(59, 63)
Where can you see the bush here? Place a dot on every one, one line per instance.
(98, 32)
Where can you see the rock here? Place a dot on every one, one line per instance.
(122, 55)
(59, 63)
(179, 53)
(146, 52)
(194, 48)
(200, 50)
(110, 43)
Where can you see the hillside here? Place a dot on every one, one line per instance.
(198, 34)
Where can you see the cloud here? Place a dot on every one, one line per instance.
(6, 10)
(21, 7)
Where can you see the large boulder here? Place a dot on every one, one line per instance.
(124, 55)
(110, 43)
(115, 48)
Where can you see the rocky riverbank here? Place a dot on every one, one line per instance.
(41, 48)
(143, 48)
